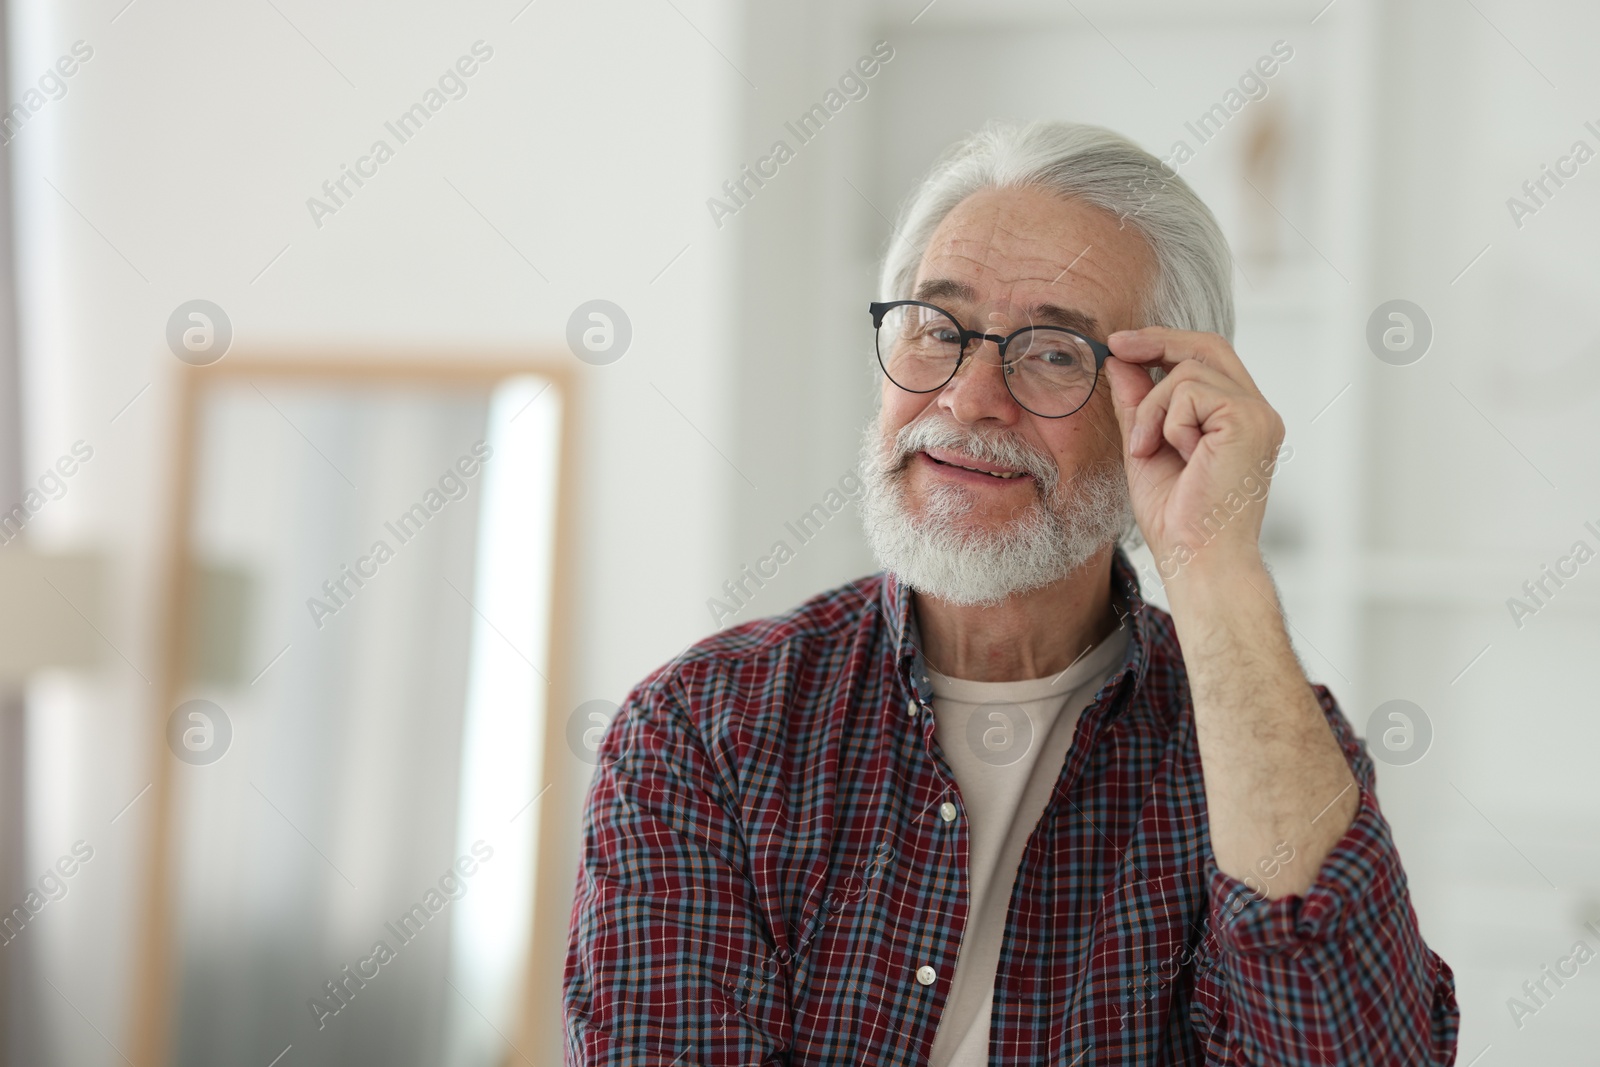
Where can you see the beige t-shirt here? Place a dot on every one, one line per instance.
(1006, 743)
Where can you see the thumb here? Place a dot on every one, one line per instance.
(1130, 384)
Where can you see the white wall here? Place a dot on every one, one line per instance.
(804, 365)
(187, 147)
(1482, 471)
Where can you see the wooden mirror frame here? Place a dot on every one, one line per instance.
(152, 974)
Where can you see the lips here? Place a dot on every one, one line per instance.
(946, 458)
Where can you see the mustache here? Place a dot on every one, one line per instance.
(998, 448)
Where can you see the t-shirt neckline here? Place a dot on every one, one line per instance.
(1093, 665)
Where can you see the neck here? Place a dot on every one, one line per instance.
(1031, 635)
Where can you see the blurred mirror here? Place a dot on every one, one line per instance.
(361, 677)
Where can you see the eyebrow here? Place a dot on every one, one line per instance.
(935, 289)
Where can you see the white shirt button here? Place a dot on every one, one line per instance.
(926, 975)
(911, 707)
(947, 811)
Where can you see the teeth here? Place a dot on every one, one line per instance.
(993, 474)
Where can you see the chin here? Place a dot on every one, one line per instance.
(971, 527)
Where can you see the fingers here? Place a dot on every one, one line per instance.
(1164, 347)
(1206, 390)
(1176, 408)
(1191, 405)
(1130, 384)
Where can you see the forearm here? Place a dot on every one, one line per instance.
(1274, 774)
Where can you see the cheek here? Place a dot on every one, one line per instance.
(1088, 438)
(1099, 425)
(899, 408)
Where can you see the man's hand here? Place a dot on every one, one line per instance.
(1199, 445)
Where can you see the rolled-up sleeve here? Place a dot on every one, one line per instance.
(665, 960)
(1337, 975)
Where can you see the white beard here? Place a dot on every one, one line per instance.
(934, 554)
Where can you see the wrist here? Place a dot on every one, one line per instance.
(1209, 567)
(1219, 581)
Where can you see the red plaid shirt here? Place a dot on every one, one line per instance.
(766, 871)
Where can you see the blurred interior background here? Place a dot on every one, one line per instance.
(543, 349)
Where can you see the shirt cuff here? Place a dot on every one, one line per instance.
(1360, 880)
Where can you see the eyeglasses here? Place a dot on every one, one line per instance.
(1050, 371)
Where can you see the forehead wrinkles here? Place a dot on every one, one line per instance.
(995, 248)
(984, 250)
(1004, 283)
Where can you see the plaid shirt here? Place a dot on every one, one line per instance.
(767, 877)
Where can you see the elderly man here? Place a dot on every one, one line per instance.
(989, 806)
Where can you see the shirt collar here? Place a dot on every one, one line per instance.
(896, 602)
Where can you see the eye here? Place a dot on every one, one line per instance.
(1054, 352)
(936, 330)
(1059, 357)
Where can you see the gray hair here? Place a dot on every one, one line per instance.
(1193, 287)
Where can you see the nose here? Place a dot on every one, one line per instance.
(978, 391)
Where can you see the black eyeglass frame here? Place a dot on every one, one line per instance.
(879, 309)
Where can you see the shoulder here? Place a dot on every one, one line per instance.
(754, 708)
(806, 645)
